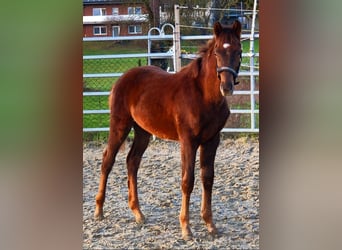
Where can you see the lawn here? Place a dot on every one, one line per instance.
(91, 66)
(114, 47)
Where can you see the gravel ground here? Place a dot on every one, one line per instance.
(235, 201)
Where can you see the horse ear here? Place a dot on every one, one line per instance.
(237, 28)
(217, 28)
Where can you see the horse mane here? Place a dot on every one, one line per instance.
(194, 68)
(207, 48)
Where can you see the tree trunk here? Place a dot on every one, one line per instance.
(214, 14)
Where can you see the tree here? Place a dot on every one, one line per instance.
(150, 11)
(209, 18)
(194, 16)
(216, 15)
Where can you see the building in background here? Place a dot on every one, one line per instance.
(108, 18)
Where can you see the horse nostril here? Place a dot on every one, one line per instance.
(226, 88)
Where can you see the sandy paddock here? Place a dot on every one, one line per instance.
(235, 199)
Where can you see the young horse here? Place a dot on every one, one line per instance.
(189, 106)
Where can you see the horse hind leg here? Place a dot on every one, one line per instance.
(140, 143)
(118, 132)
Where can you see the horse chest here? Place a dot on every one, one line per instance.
(205, 122)
(213, 121)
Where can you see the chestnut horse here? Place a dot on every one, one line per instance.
(189, 106)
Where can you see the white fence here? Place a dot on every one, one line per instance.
(252, 70)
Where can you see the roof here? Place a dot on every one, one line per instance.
(118, 18)
(86, 2)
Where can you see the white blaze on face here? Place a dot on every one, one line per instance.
(226, 45)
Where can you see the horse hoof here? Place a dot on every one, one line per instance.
(140, 219)
(187, 236)
(213, 233)
(98, 215)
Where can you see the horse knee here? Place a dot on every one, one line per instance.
(207, 176)
(109, 154)
(188, 183)
(133, 162)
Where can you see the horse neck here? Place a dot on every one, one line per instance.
(209, 80)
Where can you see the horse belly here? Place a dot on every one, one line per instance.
(156, 124)
(147, 100)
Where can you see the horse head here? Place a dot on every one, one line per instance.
(227, 50)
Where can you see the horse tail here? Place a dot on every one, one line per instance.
(110, 99)
(110, 103)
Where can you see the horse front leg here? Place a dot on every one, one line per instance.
(207, 158)
(188, 152)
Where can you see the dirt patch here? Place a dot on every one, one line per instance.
(235, 199)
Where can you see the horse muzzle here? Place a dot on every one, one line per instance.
(227, 83)
(226, 89)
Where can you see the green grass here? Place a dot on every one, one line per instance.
(104, 84)
(98, 84)
(189, 46)
(246, 60)
(246, 45)
(95, 102)
(246, 105)
(113, 47)
(96, 121)
(111, 65)
(245, 121)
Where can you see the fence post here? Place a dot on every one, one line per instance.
(176, 40)
(252, 77)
